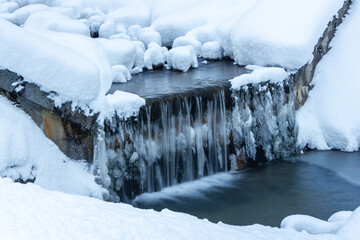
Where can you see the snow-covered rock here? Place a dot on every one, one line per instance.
(53, 21)
(259, 74)
(182, 58)
(121, 74)
(120, 51)
(148, 35)
(48, 64)
(211, 50)
(188, 41)
(154, 56)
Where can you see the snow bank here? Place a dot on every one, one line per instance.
(28, 211)
(26, 154)
(281, 32)
(259, 74)
(329, 118)
(52, 66)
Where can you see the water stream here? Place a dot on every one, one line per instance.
(267, 194)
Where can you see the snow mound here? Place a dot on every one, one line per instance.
(211, 50)
(182, 58)
(260, 74)
(311, 225)
(120, 51)
(66, 72)
(155, 56)
(53, 21)
(126, 104)
(329, 119)
(26, 154)
(188, 41)
(148, 35)
(121, 74)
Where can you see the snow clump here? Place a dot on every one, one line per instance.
(182, 58)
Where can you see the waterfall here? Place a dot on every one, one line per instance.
(170, 142)
(183, 138)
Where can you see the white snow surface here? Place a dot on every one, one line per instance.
(48, 64)
(329, 119)
(278, 33)
(30, 212)
(27, 154)
(258, 75)
(182, 58)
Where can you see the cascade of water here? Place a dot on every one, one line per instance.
(185, 138)
(171, 142)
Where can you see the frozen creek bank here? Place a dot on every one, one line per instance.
(182, 134)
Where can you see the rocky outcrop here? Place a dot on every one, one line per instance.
(70, 130)
(303, 77)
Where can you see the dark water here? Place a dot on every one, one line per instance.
(213, 74)
(264, 195)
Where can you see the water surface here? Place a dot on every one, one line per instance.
(263, 195)
(148, 83)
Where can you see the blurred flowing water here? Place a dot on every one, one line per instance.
(268, 194)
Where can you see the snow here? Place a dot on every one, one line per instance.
(126, 104)
(120, 51)
(258, 75)
(28, 211)
(250, 32)
(121, 74)
(25, 53)
(211, 50)
(148, 35)
(26, 154)
(155, 56)
(188, 41)
(53, 21)
(182, 58)
(329, 119)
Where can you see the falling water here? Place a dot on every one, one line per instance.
(171, 142)
(180, 139)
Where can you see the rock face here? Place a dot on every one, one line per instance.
(70, 131)
(303, 77)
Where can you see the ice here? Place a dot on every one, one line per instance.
(182, 58)
(329, 119)
(50, 20)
